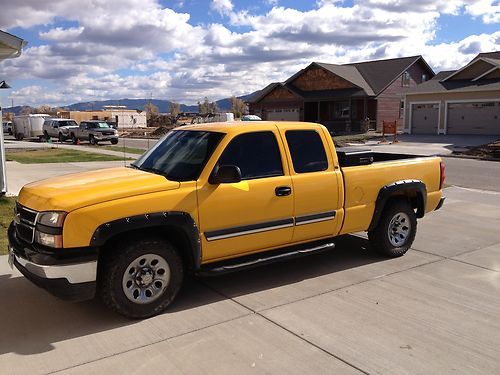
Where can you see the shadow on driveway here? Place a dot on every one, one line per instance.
(33, 321)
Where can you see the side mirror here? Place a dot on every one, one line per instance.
(225, 174)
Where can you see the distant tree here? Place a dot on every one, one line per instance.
(151, 110)
(238, 107)
(204, 107)
(44, 109)
(26, 110)
(213, 107)
(175, 109)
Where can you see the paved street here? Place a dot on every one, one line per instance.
(435, 310)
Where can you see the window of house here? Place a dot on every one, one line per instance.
(406, 79)
(341, 109)
(424, 77)
(256, 154)
(307, 151)
(402, 109)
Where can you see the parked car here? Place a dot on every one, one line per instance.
(209, 199)
(250, 118)
(29, 126)
(59, 128)
(7, 127)
(94, 131)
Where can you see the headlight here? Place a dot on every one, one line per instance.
(49, 228)
(51, 240)
(54, 219)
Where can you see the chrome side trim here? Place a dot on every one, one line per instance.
(315, 218)
(74, 273)
(251, 231)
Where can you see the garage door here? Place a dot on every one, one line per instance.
(424, 118)
(474, 118)
(283, 114)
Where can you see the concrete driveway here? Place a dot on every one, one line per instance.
(435, 310)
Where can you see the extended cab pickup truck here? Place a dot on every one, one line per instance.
(213, 198)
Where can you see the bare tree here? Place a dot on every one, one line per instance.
(175, 108)
(26, 110)
(213, 107)
(204, 107)
(44, 109)
(151, 110)
(238, 107)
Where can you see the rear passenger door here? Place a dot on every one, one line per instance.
(315, 180)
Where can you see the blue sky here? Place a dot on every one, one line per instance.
(185, 50)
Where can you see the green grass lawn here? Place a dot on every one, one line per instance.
(58, 155)
(128, 150)
(6, 215)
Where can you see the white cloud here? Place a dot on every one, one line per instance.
(489, 10)
(126, 48)
(223, 7)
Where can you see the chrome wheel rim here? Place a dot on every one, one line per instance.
(399, 229)
(146, 278)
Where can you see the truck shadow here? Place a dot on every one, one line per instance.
(34, 321)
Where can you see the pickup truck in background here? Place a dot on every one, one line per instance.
(94, 131)
(209, 199)
(58, 128)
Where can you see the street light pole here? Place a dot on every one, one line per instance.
(3, 171)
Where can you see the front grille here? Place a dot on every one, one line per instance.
(26, 220)
(26, 215)
(107, 133)
(24, 232)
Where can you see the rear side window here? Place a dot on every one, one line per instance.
(307, 151)
(256, 154)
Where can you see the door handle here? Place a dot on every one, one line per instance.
(282, 191)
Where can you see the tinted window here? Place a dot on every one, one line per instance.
(181, 155)
(307, 150)
(256, 154)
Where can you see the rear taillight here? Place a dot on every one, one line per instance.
(441, 180)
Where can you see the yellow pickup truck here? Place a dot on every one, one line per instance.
(213, 198)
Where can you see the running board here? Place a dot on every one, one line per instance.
(268, 257)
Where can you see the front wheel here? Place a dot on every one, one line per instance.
(92, 140)
(61, 138)
(396, 229)
(74, 139)
(114, 141)
(140, 279)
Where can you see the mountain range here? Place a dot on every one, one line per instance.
(163, 105)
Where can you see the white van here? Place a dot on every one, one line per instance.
(29, 126)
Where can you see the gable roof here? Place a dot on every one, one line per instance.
(371, 77)
(491, 55)
(381, 73)
(494, 64)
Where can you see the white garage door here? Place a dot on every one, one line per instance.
(283, 114)
(424, 118)
(473, 118)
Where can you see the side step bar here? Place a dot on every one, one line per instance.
(268, 257)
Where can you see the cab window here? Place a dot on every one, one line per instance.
(256, 154)
(307, 151)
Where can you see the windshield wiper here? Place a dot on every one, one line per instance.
(153, 170)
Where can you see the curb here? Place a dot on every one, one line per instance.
(470, 157)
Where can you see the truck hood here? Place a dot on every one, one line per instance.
(73, 191)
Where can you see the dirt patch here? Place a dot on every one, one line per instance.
(487, 151)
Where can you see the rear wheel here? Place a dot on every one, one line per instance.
(140, 279)
(47, 136)
(61, 138)
(396, 230)
(92, 140)
(74, 139)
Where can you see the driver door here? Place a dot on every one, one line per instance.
(253, 214)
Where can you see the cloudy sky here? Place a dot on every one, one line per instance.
(184, 50)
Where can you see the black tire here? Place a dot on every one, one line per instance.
(19, 136)
(61, 138)
(74, 139)
(92, 140)
(10, 131)
(390, 237)
(114, 141)
(47, 137)
(115, 265)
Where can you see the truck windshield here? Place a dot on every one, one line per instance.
(181, 155)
